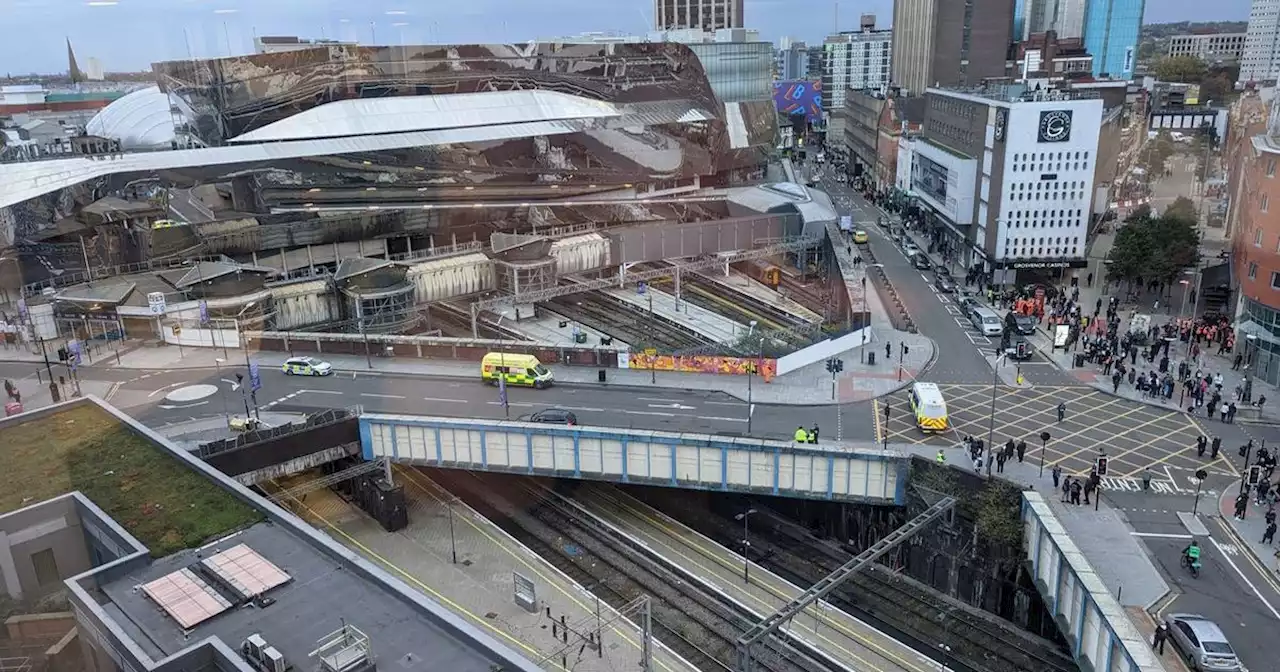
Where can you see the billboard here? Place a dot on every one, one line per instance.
(799, 96)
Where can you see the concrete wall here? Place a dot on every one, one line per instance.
(820, 351)
(1099, 632)
(52, 525)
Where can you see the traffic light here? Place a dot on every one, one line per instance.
(1102, 465)
(1255, 475)
(835, 366)
(1022, 349)
(63, 355)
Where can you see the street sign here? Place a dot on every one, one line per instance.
(155, 301)
(641, 287)
(204, 312)
(652, 352)
(255, 380)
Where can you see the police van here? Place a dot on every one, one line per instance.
(929, 407)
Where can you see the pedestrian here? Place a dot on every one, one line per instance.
(1021, 449)
(1009, 448)
(1062, 411)
(1057, 475)
(1270, 534)
(1231, 412)
(1223, 410)
(1088, 490)
(1146, 480)
(1075, 492)
(1242, 504)
(802, 435)
(1157, 642)
(1066, 485)
(813, 434)
(1000, 460)
(942, 457)
(1217, 445)
(888, 350)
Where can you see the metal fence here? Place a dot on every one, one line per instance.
(320, 419)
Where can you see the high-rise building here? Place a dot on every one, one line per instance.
(1261, 43)
(268, 44)
(1111, 29)
(949, 43)
(1064, 17)
(1209, 47)
(793, 61)
(701, 14)
(855, 60)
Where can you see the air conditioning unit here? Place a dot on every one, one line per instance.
(253, 647)
(273, 660)
(262, 656)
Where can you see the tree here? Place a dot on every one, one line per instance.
(1215, 88)
(1156, 152)
(1185, 69)
(1150, 248)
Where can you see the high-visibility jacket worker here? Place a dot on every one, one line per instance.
(802, 435)
(942, 457)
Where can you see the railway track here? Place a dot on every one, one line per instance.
(698, 626)
(876, 596)
(625, 323)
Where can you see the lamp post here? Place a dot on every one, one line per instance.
(217, 365)
(746, 544)
(453, 544)
(991, 424)
(1044, 447)
(752, 367)
(865, 321)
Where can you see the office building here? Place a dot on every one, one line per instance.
(700, 14)
(949, 44)
(1064, 17)
(1209, 47)
(856, 60)
(792, 61)
(1111, 31)
(1044, 56)
(1261, 58)
(278, 44)
(1005, 177)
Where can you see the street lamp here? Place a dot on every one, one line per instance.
(217, 364)
(453, 544)
(1044, 447)
(746, 544)
(991, 424)
(751, 372)
(865, 321)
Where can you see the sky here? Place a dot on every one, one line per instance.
(131, 34)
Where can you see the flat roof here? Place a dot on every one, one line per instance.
(156, 498)
(319, 598)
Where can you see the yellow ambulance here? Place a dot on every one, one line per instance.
(516, 369)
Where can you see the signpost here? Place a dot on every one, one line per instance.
(204, 312)
(502, 394)
(255, 384)
(652, 354)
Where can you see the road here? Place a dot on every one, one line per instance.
(1232, 589)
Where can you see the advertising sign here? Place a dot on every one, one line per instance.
(204, 312)
(255, 380)
(799, 97)
(155, 301)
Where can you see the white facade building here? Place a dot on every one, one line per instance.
(1261, 54)
(1064, 17)
(1210, 47)
(1008, 176)
(855, 60)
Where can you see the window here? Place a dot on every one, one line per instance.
(1257, 237)
(1253, 271)
(1271, 167)
(1275, 280)
(1265, 202)
(46, 567)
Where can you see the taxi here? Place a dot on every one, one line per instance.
(860, 237)
(306, 366)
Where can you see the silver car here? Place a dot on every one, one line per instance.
(1202, 643)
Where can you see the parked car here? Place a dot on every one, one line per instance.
(944, 283)
(1202, 643)
(553, 416)
(1022, 324)
(968, 303)
(941, 269)
(909, 248)
(920, 261)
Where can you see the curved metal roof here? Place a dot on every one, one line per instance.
(404, 114)
(139, 120)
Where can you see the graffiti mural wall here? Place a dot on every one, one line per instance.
(734, 366)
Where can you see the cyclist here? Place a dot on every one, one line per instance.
(1191, 553)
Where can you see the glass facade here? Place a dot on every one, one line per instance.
(1111, 30)
(1262, 321)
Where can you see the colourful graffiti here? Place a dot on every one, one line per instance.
(732, 366)
(797, 97)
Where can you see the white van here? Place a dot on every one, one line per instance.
(986, 321)
(929, 407)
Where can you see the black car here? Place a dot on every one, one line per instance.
(1022, 324)
(942, 270)
(553, 416)
(944, 283)
(920, 261)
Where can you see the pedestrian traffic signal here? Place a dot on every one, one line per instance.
(1102, 465)
(1255, 475)
(835, 365)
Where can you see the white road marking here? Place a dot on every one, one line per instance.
(1158, 535)
(712, 417)
(320, 392)
(512, 403)
(170, 408)
(445, 401)
(725, 403)
(234, 385)
(1246, 579)
(678, 407)
(664, 415)
(582, 408)
(660, 399)
(381, 396)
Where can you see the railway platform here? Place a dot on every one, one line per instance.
(845, 640)
(480, 585)
(711, 325)
(748, 286)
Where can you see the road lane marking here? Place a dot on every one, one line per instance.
(659, 399)
(664, 415)
(1160, 535)
(445, 401)
(320, 392)
(719, 419)
(1244, 578)
(725, 403)
(582, 408)
(512, 403)
(381, 396)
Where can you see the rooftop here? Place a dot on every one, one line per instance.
(1015, 93)
(320, 595)
(157, 499)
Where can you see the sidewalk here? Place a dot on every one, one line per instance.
(1249, 531)
(808, 386)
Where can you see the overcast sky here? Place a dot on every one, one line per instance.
(130, 34)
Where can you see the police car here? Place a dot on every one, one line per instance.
(306, 366)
